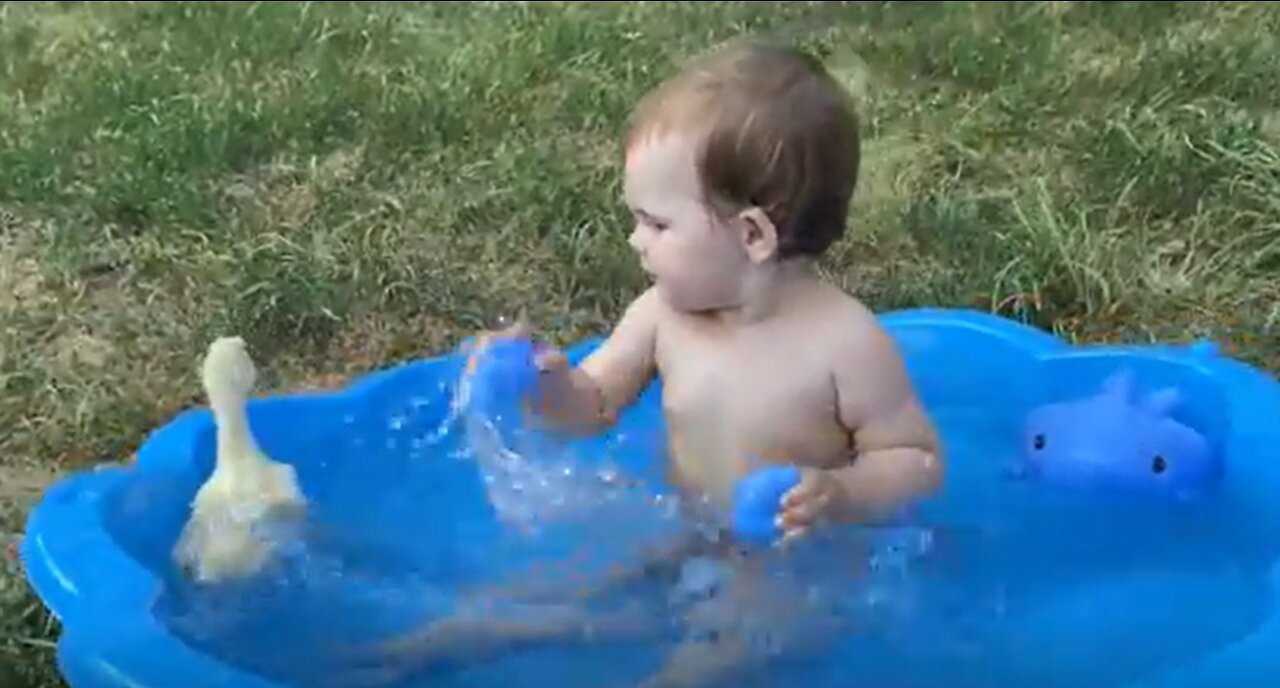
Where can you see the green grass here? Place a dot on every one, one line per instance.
(347, 184)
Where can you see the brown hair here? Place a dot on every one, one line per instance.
(776, 131)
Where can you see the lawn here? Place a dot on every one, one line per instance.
(348, 184)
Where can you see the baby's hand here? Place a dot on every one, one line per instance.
(562, 394)
(814, 500)
(550, 360)
(555, 385)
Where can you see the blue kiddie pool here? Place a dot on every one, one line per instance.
(1110, 518)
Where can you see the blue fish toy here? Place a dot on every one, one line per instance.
(756, 499)
(1118, 441)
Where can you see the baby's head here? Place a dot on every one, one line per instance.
(746, 158)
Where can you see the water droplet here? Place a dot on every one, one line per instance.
(396, 423)
(349, 419)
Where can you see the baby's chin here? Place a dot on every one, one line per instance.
(690, 304)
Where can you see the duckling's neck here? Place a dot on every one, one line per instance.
(235, 440)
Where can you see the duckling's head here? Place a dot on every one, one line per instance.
(228, 371)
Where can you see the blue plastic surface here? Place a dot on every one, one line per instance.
(1011, 583)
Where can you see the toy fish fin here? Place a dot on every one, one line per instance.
(1161, 402)
(1119, 385)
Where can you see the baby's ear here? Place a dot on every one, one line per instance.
(758, 233)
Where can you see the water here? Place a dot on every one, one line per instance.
(408, 515)
(993, 583)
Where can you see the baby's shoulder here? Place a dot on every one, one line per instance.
(642, 316)
(846, 325)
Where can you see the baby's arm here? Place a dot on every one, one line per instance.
(898, 453)
(588, 396)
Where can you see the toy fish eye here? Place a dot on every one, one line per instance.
(1158, 464)
(1038, 442)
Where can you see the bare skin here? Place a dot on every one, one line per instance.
(761, 362)
(736, 397)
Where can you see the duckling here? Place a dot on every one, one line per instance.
(246, 490)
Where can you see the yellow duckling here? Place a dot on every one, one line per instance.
(246, 490)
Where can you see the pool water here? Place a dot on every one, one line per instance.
(1028, 587)
(993, 582)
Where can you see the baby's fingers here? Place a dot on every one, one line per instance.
(792, 535)
(797, 495)
(794, 525)
(811, 487)
(549, 360)
(803, 513)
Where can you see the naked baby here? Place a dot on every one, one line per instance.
(739, 172)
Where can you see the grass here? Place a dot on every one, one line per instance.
(347, 184)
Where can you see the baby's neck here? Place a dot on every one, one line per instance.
(769, 291)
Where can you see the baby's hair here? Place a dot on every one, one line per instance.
(775, 131)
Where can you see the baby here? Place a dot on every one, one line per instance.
(739, 172)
